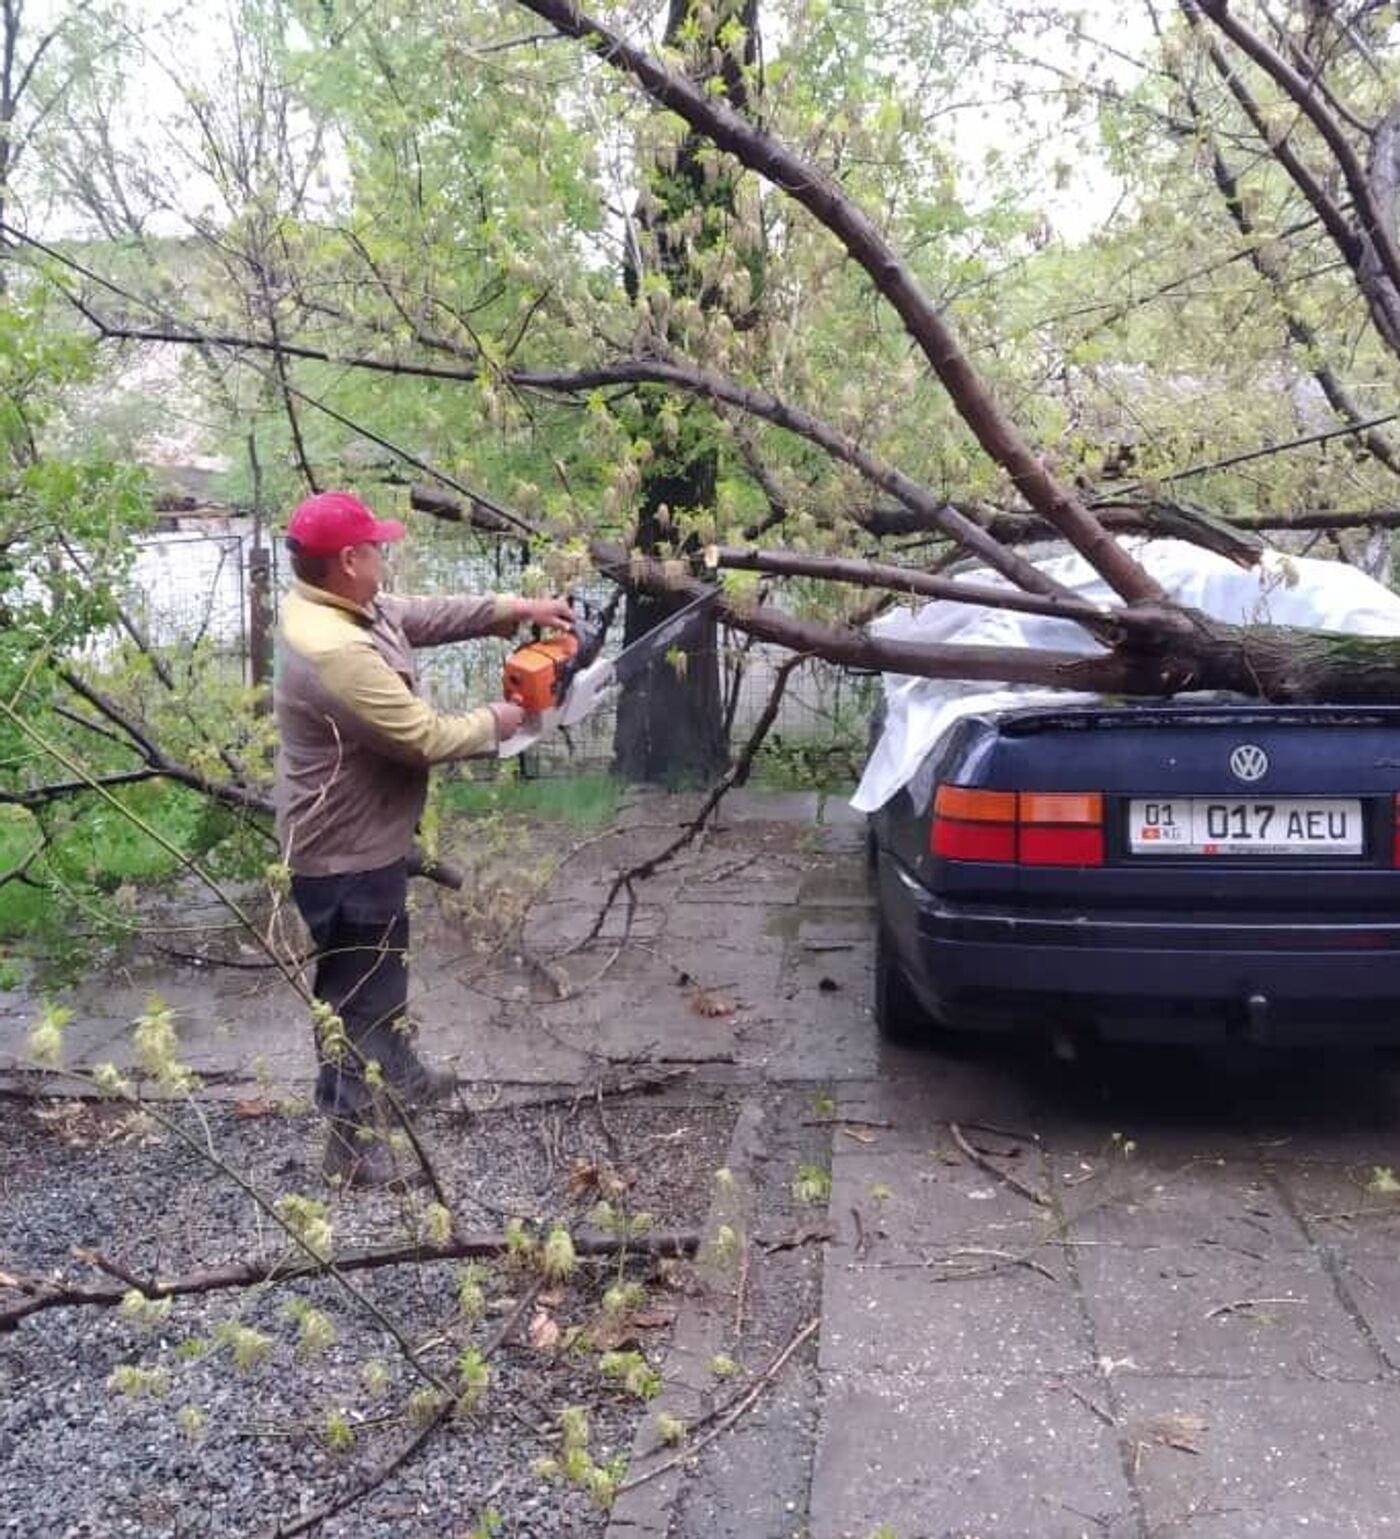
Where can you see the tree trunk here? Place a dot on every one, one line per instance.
(670, 722)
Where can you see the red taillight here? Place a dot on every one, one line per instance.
(1030, 828)
(974, 841)
(971, 824)
(1061, 847)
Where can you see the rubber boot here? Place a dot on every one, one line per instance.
(413, 1081)
(424, 1084)
(356, 1155)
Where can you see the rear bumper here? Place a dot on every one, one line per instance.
(1145, 978)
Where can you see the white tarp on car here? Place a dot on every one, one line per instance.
(1281, 590)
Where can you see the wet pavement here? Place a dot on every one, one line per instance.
(1149, 1294)
(1183, 1318)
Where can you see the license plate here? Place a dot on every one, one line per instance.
(1204, 825)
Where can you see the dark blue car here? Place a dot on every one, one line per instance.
(1160, 872)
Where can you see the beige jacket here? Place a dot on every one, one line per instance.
(355, 738)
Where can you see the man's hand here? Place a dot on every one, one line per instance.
(510, 717)
(551, 612)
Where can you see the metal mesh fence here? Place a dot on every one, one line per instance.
(187, 588)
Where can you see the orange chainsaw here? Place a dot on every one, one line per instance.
(558, 680)
(537, 674)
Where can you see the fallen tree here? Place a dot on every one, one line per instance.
(1160, 650)
(683, 363)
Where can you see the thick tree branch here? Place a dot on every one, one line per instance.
(1228, 537)
(1170, 649)
(1173, 520)
(1383, 172)
(41, 796)
(855, 649)
(423, 499)
(897, 579)
(1328, 211)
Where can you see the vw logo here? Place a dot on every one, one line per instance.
(1249, 762)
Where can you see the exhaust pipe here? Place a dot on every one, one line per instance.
(1256, 1009)
(1064, 1046)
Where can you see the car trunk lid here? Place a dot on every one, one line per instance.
(1223, 808)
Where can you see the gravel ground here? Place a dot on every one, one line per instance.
(79, 1457)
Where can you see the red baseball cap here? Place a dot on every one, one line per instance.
(333, 521)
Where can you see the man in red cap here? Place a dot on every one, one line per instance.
(356, 744)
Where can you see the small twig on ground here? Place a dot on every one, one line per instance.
(1106, 1417)
(1056, 1232)
(609, 1137)
(1006, 1257)
(400, 1112)
(809, 1234)
(1030, 1193)
(551, 1132)
(732, 869)
(1001, 1132)
(744, 1403)
(545, 970)
(862, 1239)
(581, 1049)
(113, 1269)
(634, 1084)
(573, 990)
(1013, 1153)
(741, 1291)
(545, 1434)
(1242, 1306)
(845, 1122)
(1346, 1215)
(229, 964)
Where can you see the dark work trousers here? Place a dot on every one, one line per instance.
(359, 924)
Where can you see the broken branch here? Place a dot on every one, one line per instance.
(43, 1294)
(743, 1404)
(1030, 1193)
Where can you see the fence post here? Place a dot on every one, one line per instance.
(259, 614)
